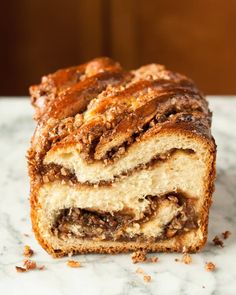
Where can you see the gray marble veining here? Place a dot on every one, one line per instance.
(104, 274)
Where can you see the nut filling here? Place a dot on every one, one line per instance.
(81, 223)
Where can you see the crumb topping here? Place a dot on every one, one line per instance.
(113, 99)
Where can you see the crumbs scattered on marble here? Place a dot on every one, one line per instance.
(28, 252)
(147, 278)
(186, 258)
(73, 263)
(218, 242)
(209, 266)
(27, 263)
(141, 256)
(20, 269)
(152, 259)
(226, 234)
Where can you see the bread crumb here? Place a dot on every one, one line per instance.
(20, 269)
(147, 278)
(218, 242)
(176, 259)
(139, 256)
(139, 270)
(226, 234)
(73, 263)
(28, 252)
(26, 235)
(29, 264)
(209, 266)
(153, 259)
(187, 259)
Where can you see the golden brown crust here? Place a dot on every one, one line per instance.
(106, 108)
(62, 93)
(100, 107)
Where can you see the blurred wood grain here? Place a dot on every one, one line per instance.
(194, 37)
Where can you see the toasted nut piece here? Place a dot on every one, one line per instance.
(28, 252)
(226, 234)
(210, 266)
(147, 278)
(20, 269)
(29, 264)
(73, 263)
(218, 242)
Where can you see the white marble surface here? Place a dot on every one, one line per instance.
(104, 274)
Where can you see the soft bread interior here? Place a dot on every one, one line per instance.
(154, 227)
(183, 172)
(138, 153)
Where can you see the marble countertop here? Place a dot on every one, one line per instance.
(104, 274)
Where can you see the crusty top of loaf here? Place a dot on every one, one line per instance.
(101, 106)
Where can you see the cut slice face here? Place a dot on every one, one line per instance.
(151, 196)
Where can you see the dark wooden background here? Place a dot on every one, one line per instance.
(195, 37)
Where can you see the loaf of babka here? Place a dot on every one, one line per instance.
(120, 160)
